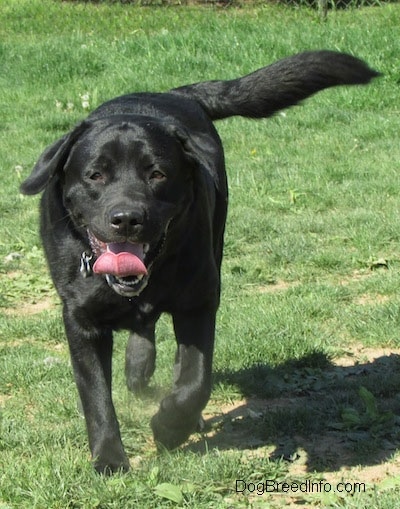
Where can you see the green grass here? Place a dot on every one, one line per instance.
(311, 268)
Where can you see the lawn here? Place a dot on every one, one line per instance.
(307, 361)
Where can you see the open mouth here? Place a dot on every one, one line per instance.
(125, 265)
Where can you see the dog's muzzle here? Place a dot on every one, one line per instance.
(126, 266)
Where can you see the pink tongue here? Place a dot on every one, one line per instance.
(122, 260)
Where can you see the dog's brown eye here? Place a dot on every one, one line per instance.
(157, 175)
(96, 176)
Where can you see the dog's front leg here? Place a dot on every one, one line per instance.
(180, 412)
(91, 351)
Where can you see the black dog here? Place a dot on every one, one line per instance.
(136, 197)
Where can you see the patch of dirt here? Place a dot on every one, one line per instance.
(357, 275)
(368, 299)
(280, 285)
(31, 308)
(359, 354)
(276, 286)
(309, 425)
(3, 399)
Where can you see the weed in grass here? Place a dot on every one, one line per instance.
(370, 418)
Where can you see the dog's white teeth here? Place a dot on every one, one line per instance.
(146, 248)
(139, 277)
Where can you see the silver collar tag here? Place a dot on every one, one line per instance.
(85, 267)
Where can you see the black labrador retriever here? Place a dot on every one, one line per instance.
(132, 220)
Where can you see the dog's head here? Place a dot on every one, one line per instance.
(124, 182)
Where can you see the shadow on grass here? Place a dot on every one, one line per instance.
(332, 416)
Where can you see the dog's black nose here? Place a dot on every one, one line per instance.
(126, 221)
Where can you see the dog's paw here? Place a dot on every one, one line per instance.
(109, 457)
(201, 425)
(136, 384)
(171, 433)
(107, 467)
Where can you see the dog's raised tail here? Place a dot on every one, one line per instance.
(277, 86)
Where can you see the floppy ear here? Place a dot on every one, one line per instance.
(52, 160)
(203, 150)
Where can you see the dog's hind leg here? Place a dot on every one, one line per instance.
(140, 358)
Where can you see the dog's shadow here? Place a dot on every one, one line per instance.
(329, 416)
